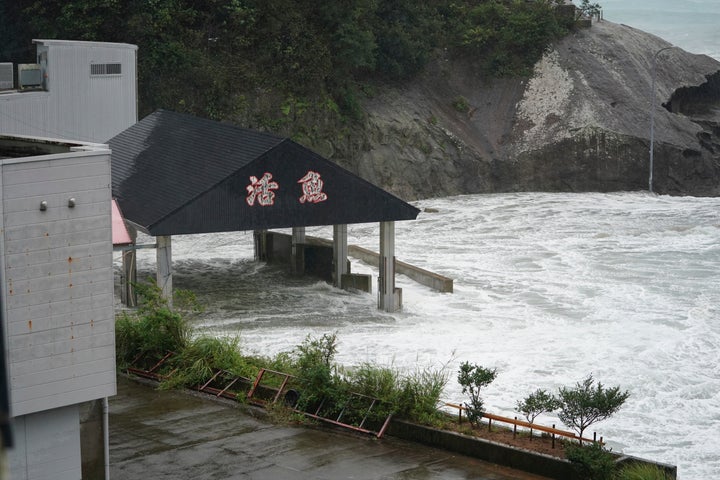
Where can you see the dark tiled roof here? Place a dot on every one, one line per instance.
(174, 173)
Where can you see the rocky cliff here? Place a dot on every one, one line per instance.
(581, 123)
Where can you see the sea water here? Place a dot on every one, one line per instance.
(693, 25)
(549, 288)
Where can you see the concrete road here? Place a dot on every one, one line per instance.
(174, 435)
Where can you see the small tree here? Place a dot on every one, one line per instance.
(472, 378)
(540, 401)
(588, 9)
(588, 403)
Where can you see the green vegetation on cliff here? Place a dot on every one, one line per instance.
(287, 65)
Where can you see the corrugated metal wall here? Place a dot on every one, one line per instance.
(47, 446)
(58, 280)
(76, 105)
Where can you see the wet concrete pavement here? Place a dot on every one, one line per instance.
(175, 435)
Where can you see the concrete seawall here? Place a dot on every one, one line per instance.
(424, 277)
(278, 249)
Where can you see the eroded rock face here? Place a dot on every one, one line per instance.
(581, 123)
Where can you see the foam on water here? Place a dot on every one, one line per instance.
(548, 288)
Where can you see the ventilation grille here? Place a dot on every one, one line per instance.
(105, 69)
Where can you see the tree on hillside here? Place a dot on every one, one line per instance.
(587, 9)
(588, 403)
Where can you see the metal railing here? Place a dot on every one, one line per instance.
(532, 426)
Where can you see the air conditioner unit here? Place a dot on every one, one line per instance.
(29, 75)
(7, 76)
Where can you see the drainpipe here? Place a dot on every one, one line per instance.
(106, 436)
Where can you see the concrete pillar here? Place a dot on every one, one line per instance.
(388, 297)
(260, 242)
(129, 278)
(340, 254)
(128, 296)
(298, 252)
(164, 267)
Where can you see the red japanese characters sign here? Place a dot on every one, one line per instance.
(261, 190)
(312, 187)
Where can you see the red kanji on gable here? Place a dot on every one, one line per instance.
(261, 190)
(312, 187)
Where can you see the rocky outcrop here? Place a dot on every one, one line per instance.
(581, 123)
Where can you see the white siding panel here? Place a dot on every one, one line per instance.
(84, 356)
(26, 113)
(58, 343)
(70, 389)
(25, 293)
(42, 187)
(59, 257)
(60, 353)
(40, 379)
(80, 392)
(23, 326)
(63, 308)
(59, 281)
(87, 225)
(92, 228)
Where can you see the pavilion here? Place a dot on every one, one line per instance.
(174, 174)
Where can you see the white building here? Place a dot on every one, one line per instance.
(77, 90)
(56, 250)
(57, 296)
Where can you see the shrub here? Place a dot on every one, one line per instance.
(314, 368)
(642, 471)
(420, 395)
(151, 331)
(203, 356)
(592, 462)
(460, 104)
(472, 378)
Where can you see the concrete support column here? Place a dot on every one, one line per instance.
(129, 278)
(388, 298)
(260, 242)
(340, 254)
(298, 252)
(164, 267)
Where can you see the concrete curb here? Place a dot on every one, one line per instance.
(489, 451)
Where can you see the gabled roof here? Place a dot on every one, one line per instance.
(174, 174)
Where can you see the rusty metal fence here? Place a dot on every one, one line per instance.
(356, 412)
